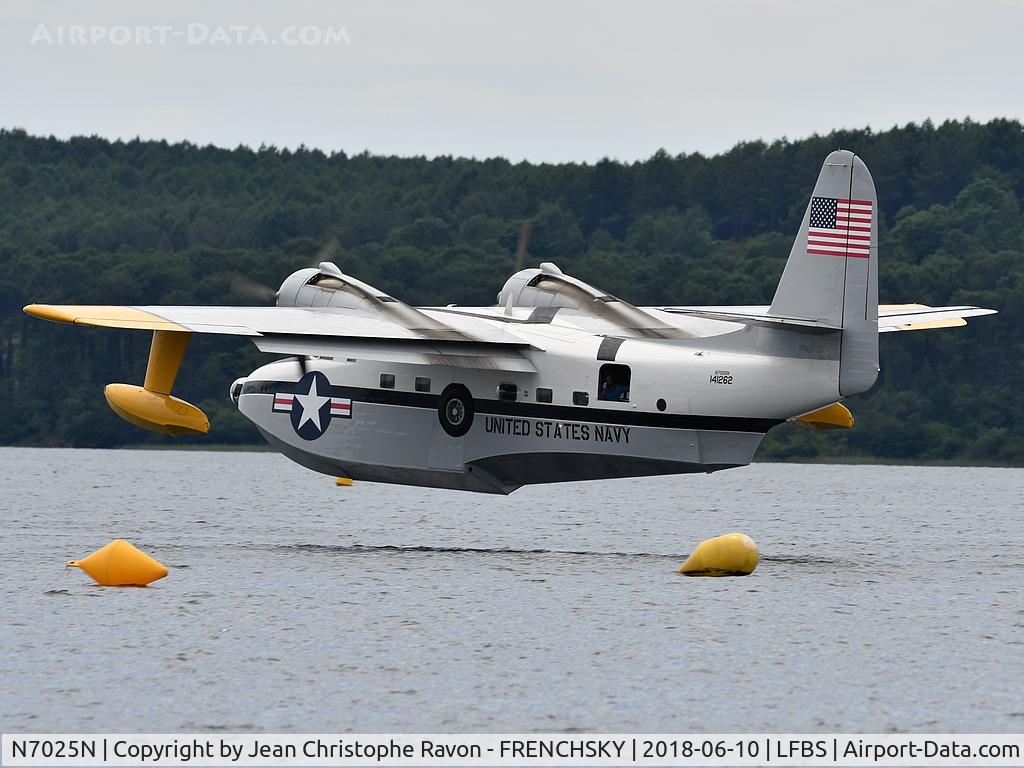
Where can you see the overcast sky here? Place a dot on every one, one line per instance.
(544, 81)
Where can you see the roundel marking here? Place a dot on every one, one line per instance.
(311, 406)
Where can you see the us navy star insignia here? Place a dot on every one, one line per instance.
(311, 405)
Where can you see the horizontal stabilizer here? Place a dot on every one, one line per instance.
(756, 318)
(918, 317)
(891, 317)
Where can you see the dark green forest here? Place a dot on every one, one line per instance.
(88, 220)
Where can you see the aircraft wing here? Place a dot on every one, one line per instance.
(234, 321)
(318, 331)
(891, 317)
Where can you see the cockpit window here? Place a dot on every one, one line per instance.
(613, 382)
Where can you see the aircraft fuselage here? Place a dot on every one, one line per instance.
(687, 405)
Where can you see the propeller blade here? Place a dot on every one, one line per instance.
(522, 243)
(327, 252)
(247, 289)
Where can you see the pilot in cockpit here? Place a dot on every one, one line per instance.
(612, 390)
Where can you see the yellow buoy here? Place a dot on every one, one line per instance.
(346, 481)
(119, 564)
(734, 554)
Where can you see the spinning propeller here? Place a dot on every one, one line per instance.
(245, 288)
(522, 243)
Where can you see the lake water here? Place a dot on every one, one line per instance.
(887, 598)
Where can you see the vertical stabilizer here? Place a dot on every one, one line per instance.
(832, 271)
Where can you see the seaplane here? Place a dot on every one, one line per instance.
(559, 381)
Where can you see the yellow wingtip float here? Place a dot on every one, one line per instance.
(150, 406)
(835, 416)
(119, 564)
(155, 411)
(734, 554)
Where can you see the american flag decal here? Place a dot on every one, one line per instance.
(840, 227)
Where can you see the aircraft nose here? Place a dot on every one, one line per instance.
(236, 389)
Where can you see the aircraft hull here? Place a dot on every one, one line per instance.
(396, 437)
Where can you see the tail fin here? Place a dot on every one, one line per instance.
(832, 272)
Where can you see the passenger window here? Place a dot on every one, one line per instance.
(613, 383)
(508, 391)
(543, 395)
(422, 384)
(387, 381)
(580, 398)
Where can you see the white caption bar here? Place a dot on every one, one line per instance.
(553, 749)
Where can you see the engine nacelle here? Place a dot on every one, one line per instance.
(549, 287)
(328, 286)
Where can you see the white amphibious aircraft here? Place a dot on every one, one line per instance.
(559, 381)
